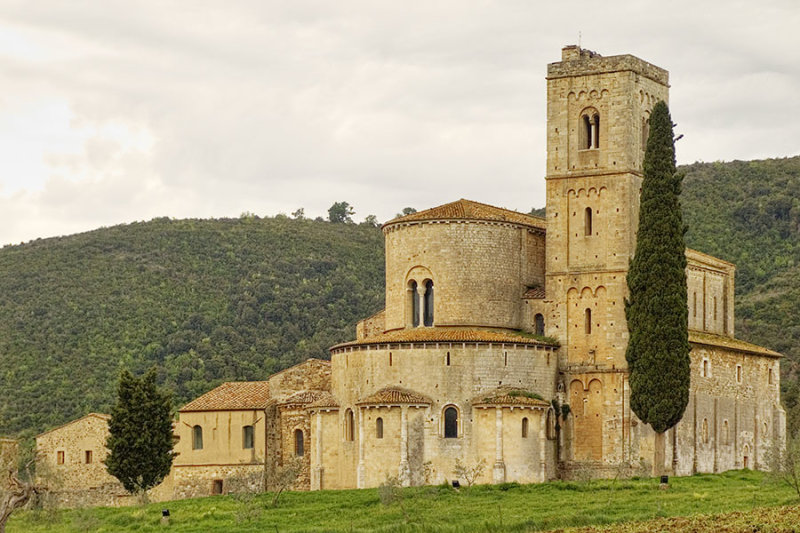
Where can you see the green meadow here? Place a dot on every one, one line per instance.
(507, 507)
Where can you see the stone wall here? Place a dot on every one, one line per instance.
(479, 270)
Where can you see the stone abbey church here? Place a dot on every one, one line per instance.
(494, 320)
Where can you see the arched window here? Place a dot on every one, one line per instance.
(428, 314)
(587, 221)
(298, 442)
(451, 423)
(705, 368)
(590, 130)
(705, 431)
(588, 320)
(248, 436)
(197, 438)
(538, 324)
(349, 425)
(413, 305)
(771, 379)
(525, 427)
(645, 131)
(379, 428)
(738, 373)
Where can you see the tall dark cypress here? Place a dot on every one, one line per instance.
(657, 313)
(140, 433)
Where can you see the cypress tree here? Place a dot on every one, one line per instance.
(657, 313)
(140, 433)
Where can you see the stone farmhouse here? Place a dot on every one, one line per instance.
(493, 319)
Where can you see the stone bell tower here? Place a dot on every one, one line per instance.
(597, 126)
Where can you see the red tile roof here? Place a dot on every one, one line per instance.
(710, 339)
(325, 400)
(509, 396)
(232, 396)
(304, 397)
(536, 293)
(469, 210)
(445, 335)
(394, 396)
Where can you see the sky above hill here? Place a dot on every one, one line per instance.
(114, 111)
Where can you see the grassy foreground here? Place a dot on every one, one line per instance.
(508, 507)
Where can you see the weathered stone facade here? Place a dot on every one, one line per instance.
(494, 321)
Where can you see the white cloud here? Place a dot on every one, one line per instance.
(112, 113)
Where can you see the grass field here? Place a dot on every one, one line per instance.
(508, 507)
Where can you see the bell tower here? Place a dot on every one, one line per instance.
(597, 126)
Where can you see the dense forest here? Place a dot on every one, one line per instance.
(207, 300)
(214, 300)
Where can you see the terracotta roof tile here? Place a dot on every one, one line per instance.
(304, 397)
(325, 400)
(445, 335)
(101, 416)
(393, 396)
(536, 293)
(710, 339)
(231, 396)
(469, 210)
(509, 396)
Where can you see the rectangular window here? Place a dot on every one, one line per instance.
(217, 487)
(60, 458)
(88, 457)
(248, 437)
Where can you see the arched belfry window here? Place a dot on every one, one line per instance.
(413, 304)
(451, 423)
(428, 314)
(538, 324)
(587, 221)
(197, 438)
(590, 130)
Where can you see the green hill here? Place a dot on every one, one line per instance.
(208, 300)
(213, 300)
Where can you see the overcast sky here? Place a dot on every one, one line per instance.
(115, 111)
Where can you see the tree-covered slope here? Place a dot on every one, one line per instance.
(748, 212)
(211, 300)
(208, 300)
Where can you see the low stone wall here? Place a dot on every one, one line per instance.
(198, 481)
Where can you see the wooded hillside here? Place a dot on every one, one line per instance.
(215, 300)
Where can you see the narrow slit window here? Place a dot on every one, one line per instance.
(505, 358)
(588, 321)
(447, 359)
(738, 373)
(379, 428)
(705, 368)
(694, 304)
(428, 314)
(88, 456)
(770, 377)
(350, 425)
(298, 443)
(705, 431)
(525, 428)
(390, 358)
(587, 221)
(60, 458)
(538, 321)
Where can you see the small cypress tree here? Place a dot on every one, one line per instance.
(140, 433)
(657, 313)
